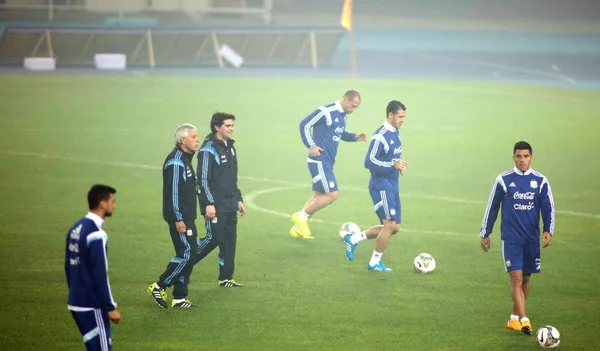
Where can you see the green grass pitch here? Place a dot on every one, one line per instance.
(60, 134)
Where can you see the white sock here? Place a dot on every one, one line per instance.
(303, 215)
(514, 316)
(179, 300)
(524, 319)
(358, 237)
(375, 258)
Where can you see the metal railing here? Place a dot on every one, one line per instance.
(76, 45)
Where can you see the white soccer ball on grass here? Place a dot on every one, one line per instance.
(349, 228)
(424, 263)
(548, 337)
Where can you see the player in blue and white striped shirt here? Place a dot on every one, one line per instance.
(385, 163)
(321, 132)
(523, 194)
(86, 267)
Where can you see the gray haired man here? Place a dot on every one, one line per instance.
(180, 197)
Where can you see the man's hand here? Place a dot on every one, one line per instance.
(360, 136)
(485, 244)
(315, 151)
(114, 316)
(547, 239)
(241, 208)
(210, 212)
(180, 226)
(400, 165)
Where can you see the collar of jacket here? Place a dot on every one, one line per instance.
(189, 155)
(213, 137)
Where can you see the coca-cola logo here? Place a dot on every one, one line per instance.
(524, 196)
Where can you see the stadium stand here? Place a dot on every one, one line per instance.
(159, 33)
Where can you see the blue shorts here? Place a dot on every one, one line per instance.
(387, 205)
(94, 327)
(323, 178)
(521, 257)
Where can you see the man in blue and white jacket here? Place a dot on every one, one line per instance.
(86, 266)
(321, 132)
(523, 194)
(385, 162)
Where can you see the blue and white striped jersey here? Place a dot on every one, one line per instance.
(385, 149)
(324, 128)
(86, 266)
(523, 196)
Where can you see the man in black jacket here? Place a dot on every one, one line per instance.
(180, 212)
(220, 198)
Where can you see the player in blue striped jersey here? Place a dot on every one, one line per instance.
(86, 267)
(321, 132)
(385, 163)
(523, 194)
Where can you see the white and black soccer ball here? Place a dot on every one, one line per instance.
(349, 228)
(548, 337)
(424, 263)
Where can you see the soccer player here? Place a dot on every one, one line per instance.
(385, 162)
(179, 211)
(321, 133)
(523, 194)
(220, 198)
(86, 266)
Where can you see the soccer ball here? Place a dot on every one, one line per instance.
(548, 337)
(348, 228)
(424, 263)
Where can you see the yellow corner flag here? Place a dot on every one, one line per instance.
(346, 20)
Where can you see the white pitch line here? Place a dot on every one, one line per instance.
(74, 159)
(270, 181)
(69, 130)
(426, 197)
(250, 203)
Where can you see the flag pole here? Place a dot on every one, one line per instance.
(347, 22)
(352, 54)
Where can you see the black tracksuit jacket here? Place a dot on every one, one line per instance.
(179, 187)
(218, 175)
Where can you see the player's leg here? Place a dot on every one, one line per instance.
(351, 240)
(183, 256)
(389, 212)
(180, 287)
(516, 291)
(177, 263)
(325, 192)
(227, 249)
(526, 287)
(389, 227)
(300, 219)
(387, 207)
(314, 196)
(104, 329)
(207, 244)
(325, 187)
(321, 200)
(531, 265)
(94, 328)
(513, 264)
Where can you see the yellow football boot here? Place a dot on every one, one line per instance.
(526, 327)
(300, 227)
(294, 233)
(514, 324)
